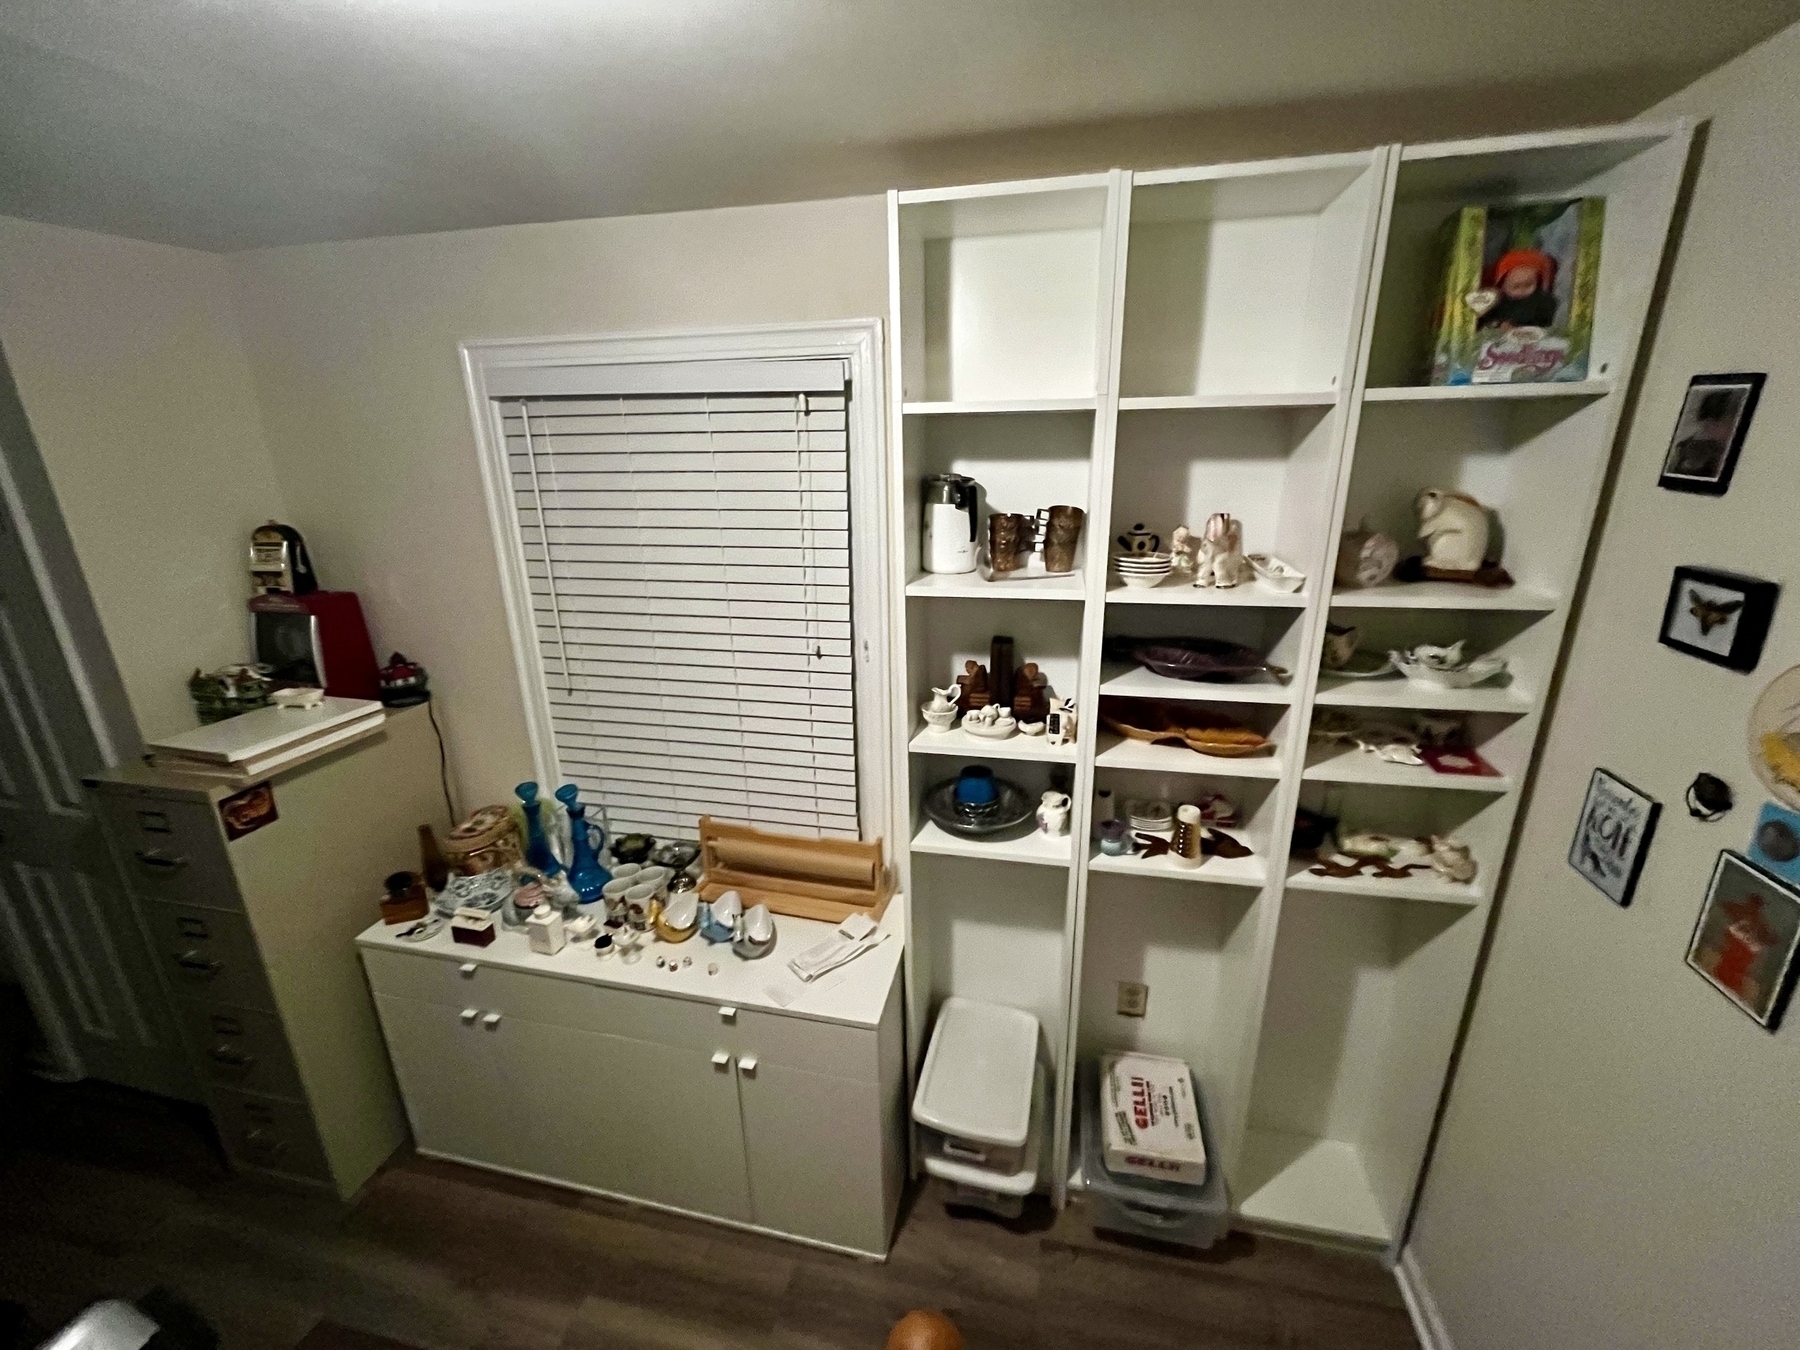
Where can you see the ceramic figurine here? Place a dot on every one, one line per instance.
(1053, 813)
(754, 935)
(1454, 527)
(1059, 723)
(1183, 545)
(718, 920)
(1139, 540)
(1366, 558)
(1451, 858)
(972, 687)
(1221, 561)
(1445, 667)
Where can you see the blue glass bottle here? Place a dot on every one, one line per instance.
(586, 874)
(537, 844)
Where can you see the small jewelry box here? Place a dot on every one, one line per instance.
(473, 926)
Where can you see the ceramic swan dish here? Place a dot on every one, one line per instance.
(1445, 667)
(754, 935)
(718, 920)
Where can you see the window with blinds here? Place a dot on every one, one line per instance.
(688, 560)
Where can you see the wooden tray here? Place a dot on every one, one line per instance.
(827, 879)
(1159, 723)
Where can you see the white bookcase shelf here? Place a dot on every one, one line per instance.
(960, 743)
(1155, 347)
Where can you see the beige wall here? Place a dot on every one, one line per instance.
(128, 363)
(1620, 1164)
(354, 348)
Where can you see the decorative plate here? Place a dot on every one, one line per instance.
(1774, 738)
(1009, 810)
(1198, 658)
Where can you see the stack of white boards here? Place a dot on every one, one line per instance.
(256, 744)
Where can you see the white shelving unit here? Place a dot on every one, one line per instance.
(1155, 347)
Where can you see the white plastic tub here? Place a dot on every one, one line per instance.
(1002, 1194)
(975, 1091)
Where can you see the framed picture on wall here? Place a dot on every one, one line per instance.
(1745, 940)
(1612, 838)
(1718, 616)
(1715, 417)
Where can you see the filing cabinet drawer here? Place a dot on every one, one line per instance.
(241, 1048)
(171, 850)
(272, 1135)
(208, 954)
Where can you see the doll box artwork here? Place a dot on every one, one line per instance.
(1515, 296)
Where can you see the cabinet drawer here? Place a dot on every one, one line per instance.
(171, 850)
(640, 1015)
(275, 1136)
(209, 954)
(241, 1048)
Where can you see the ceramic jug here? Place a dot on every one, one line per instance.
(1053, 813)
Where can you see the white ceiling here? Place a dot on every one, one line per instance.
(235, 123)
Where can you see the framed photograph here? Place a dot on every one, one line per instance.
(247, 811)
(1612, 838)
(1715, 416)
(1744, 943)
(1718, 616)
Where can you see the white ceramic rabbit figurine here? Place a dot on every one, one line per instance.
(1454, 527)
(1222, 561)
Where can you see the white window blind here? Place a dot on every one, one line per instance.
(688, 558)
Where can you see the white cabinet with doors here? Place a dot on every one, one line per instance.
(744, 1096)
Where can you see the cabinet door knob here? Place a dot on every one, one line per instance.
(491, 1020)
(467, 968)
(747, 1066)
(728, 1014)
(721, 1059)
(470, 1014)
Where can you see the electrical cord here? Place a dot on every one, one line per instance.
(443, 761)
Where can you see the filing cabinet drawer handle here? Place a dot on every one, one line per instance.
(155, 857)
(467, 970)
(268, 1146)
(192, 963)
(728, 1014)
(233, 1059)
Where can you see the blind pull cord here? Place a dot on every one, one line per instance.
(537, 502)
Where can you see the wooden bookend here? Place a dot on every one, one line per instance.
(826, 879)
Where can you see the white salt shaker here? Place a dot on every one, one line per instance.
(544, 930)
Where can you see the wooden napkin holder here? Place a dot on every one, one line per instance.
(825, 879)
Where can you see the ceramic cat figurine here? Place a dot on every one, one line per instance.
(1451, 858)
(1222, 562)
(1454, 527)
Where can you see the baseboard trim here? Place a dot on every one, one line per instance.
(1428, 1322)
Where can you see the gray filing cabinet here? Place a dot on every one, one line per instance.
(255, 941)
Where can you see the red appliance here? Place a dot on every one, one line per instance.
(315, 639)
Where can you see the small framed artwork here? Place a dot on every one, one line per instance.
(1715, 417)
(1612, 838)
(1718, 616)
(1745, 940)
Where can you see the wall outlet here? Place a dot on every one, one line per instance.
(1134, 998)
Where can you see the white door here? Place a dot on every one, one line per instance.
(66, 924)
(813, 1143)
(453, 1074)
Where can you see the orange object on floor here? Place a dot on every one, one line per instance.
(922, 1329)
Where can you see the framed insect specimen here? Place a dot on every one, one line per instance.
(1718, 616)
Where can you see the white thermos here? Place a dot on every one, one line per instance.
(950, 517)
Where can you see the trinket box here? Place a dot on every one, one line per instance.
(472, 926)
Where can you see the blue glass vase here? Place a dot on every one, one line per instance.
(586, 874)
(537, 844)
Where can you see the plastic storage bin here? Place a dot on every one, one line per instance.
(1168, 1211)
(975, 1090)
(998, 1193)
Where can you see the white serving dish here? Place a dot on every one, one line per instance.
(1460, 677)
(1276, 574)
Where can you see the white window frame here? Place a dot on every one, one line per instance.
(858, 343)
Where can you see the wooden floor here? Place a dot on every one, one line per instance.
(103, 1193)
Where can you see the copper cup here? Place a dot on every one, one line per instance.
(1061, 534)
(1009, 539)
